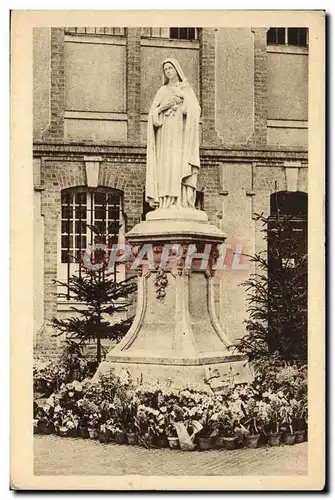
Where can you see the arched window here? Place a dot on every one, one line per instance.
(88, 217)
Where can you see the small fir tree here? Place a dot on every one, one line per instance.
(277, 296)
(103, 297)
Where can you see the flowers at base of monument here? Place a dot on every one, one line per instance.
(46, 376)
(89, 412)
(71, 391)
(65, 418)
(278, 410)
(43, 418)
(256, 415)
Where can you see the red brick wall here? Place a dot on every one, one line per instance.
(134, 85)
(259, 136)
(55, 129)
(207, 85)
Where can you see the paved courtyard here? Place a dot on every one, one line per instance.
(54, 455)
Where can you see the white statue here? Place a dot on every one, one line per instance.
(173, 142)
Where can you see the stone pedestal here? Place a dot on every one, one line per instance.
(176, 337)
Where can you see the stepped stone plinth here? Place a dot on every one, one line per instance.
(176, 338)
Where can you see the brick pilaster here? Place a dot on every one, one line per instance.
(55, 129)
(207, 85)
(134, 84)
(50, 211)
(259, 136)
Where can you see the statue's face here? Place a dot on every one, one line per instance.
(170, 71)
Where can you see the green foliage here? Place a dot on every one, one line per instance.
(277, 399)
(277, 297)
(48, 376)
(102, 298)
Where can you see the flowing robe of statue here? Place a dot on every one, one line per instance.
(173, 145)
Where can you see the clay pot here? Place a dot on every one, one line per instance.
(104, 437)
(62, 431)
(72, 433)
(219, 442)
(132, 438)
(93, 433)
(274, 439)
(173, 443)
(299, 436)
(120, 437)
(45, 428)
(229, 442)
(288, 438)
(205, 443)
(162, 442)
(83, 432)
(252, 440)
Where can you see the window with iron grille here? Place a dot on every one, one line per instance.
(89, 30)
(288, 36)
(171, 33)
(88, 217)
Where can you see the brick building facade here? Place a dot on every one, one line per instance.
(92, 90)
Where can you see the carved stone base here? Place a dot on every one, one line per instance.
(211, 377)
(176, 337)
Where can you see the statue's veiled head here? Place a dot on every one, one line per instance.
(170, 61)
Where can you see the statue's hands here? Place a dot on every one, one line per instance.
(170, 104)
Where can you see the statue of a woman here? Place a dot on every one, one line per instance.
(173, 142)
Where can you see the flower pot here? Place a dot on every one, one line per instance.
(72, 433)
(219, 442)
(120, 437)
(205, 443)
(162, 442)
(299, 436)
(83, 432)
(105, 436)
(229, 442)
(252, 440)
(173, 443)
(93, 433)
(288, 438)
(132, 438)
(45, 428)
(274, 439)
(62, 431)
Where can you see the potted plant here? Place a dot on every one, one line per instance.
(66, 422)
(90, 416)
(299, 412)
(286, 412)
(172, 436)
(272, 428)
(209, 422)
(142, 423)
(226, 426)
(83, 428)
(255, 414)
(131, 434)
(43, 421)
(157, 425)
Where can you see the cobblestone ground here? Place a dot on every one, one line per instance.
(54, 455)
